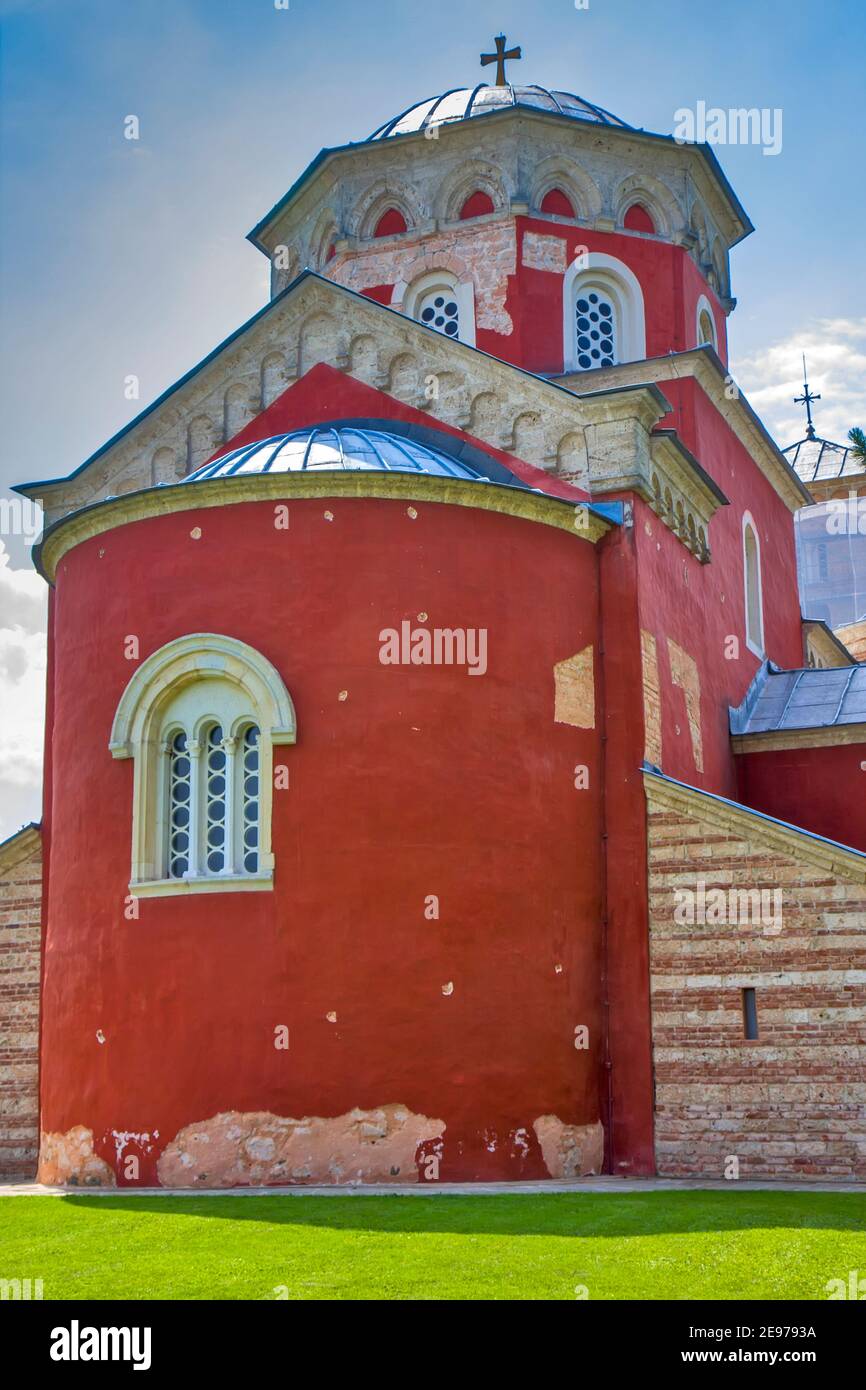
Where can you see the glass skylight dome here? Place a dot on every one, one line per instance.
(335, 447)
(463, 103)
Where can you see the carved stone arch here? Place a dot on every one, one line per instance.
(403, 378)
(445, 394)
(324, 234)
(239, 407)
(285, 267)
(558, 171)
(485, 416)
(572, 462)
(661, 204)
(376, 200)
(203, 439)
(528, 441)
(274, 377)
(719, 263)
(698, 224)
(364, 358)
(424, 263)
(319, 340)
(164, 466)
(472, 176)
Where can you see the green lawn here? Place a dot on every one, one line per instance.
(662, 1245)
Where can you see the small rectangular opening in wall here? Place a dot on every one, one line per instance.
(750, 1014)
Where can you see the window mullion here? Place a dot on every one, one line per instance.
(195, 808)
(233, 792)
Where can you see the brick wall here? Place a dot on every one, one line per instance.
(793, 1102)
(20, 947)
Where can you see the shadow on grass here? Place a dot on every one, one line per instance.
(559, 1213)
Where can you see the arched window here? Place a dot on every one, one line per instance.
(478, 204)
(391, 223)
(637, 219)
(441, 302)
(557, 204)
(200, 718)
(705, 323)
(753, 597)
(604, 314)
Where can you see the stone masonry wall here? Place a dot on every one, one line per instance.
(791, 1104)
(20, 948)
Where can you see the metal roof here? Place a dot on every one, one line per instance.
(813, 459)
(339, 447)
(804, 699)
(463, 103)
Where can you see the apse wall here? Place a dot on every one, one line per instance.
(421, 1046)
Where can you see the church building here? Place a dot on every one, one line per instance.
(440, 784)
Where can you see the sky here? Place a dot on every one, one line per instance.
(128, 258)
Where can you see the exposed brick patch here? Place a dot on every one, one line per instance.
(20, 947)
(792, 1103)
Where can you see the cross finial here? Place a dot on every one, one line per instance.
(806, 399)
(500, 57)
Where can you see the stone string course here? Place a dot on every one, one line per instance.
(791, 1104)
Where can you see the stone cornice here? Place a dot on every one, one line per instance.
(665, 794)
(834, 736)
(19, 847)
(704, 365)
(72, 530)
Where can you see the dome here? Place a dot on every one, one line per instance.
(464, 102)
(336, 447)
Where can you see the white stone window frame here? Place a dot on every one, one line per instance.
(462, 291)
(144, 725)
(754, 639)
(599, 271)
(705, 307)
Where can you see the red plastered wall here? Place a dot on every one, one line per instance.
(421, 781)
(700, 607)
(821, 789)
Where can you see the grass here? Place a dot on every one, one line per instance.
(652, 1245)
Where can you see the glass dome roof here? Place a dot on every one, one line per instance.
(462, 103)
(336, 447)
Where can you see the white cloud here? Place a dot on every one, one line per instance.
(23, 609)
(835, 351)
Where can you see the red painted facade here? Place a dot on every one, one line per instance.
(825, 786)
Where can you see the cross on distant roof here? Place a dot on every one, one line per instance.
(806, 399)
(500, 57)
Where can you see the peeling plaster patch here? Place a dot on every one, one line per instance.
(519, 1143)
(331, 1017)
(449, 988)
(652, 710)
(575, 691)
(544, 252)
(100, 1036)
(124, 1137)
(68, 1160)
(343, 695)
(412, 513)
(684, 673)
(558, 969)
(195, 533)
(570, 1151)
(261, 1150)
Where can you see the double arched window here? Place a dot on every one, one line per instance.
(200, 718)
(212, 823)
(603, 314)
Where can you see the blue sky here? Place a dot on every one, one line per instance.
(122, 257)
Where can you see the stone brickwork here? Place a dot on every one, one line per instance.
(792, 1103)
(20, 949)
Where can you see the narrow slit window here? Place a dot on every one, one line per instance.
(750, 1014)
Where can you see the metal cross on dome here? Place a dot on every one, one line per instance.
(806, 399)
(500, 58)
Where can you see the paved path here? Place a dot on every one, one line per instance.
(449, 1189)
